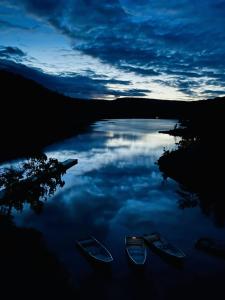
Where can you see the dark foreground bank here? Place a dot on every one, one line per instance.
(28, 269)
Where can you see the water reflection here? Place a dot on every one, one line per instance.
(117, 179)
(117, 190)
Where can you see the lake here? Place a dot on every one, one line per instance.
(116, 190)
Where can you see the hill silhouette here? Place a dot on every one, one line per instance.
(33, 116)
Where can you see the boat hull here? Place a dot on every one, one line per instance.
(162, 246)
(95, 250)
(136, 250)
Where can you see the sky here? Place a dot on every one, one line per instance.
(114, 48)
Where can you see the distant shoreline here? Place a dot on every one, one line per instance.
(33, 116)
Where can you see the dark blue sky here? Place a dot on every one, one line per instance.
(167, 49)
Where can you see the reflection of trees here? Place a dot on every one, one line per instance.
(196, 165)
(210, 199)
(187, 199)
(36, 180)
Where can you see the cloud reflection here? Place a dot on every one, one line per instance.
(116, 189)
(131, 146)
(116, 182)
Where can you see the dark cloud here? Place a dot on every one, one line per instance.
(71, 84)
(13, 53)
(9, 25)
(42, 7)
(214, 92)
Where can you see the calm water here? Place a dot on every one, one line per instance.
(116, 189)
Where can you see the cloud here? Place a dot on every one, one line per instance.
(7, 24)
(147, 37)
(71, 84)
(40, 7)
(214, 92)
(12, 53)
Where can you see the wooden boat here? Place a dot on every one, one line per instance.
(136, 250)
(211, 246)
(161, 245)
(95, 250)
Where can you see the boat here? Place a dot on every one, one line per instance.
(212, 246)
(136, 250)
(95, 250)
(162, 246)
